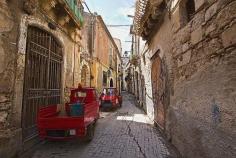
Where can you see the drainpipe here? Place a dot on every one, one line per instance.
(92, 44)
(116, 73)
(74, 60)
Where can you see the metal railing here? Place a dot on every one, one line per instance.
(75, 9)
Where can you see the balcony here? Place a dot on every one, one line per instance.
(149, 14)
(73, 9)
(64, 11)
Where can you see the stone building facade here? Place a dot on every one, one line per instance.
(190, 58)
(104, 53)
(119, 76)
(136, 82)
(125, 62)
(39, 62)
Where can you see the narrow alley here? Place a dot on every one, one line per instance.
(167, 68)
(125, 133)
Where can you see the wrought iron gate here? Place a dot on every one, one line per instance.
(42, 84)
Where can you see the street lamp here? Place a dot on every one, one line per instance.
(130, 41)
(130, 16)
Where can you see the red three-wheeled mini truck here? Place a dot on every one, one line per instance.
(82, 111)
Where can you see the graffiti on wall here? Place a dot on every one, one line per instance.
(216, 113)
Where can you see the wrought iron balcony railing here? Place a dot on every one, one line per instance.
(74, 8)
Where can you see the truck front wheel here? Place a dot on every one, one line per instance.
(90, 132)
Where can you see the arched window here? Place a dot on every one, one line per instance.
(111, 83)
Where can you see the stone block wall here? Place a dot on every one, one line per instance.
(9, 135)
(202, 111)
(7, 61)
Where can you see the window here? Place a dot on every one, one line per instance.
(104, 78)
(144, 59)
(187, 11)
(190, 9)
(81, 94)
(110, 56)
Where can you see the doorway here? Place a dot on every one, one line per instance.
(111, 83)
(158, 90)
(43, 77)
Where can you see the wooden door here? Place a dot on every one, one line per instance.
(158, 89)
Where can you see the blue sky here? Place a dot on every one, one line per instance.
(114, 12)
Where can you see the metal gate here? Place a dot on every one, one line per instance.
(43, 71)
(158, 90)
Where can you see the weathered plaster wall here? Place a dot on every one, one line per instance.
(103, 46)
(7, 62)
(9, 134)
(161, 43)
(202, 111)
(201, 61)
(146, 72)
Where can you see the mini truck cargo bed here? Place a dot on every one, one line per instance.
(53, 126)
(60, 127)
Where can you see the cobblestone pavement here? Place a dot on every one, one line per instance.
(124, 133)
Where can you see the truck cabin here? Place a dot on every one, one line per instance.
(82, 95)
(109, 92)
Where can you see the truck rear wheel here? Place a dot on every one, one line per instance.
(90, 132)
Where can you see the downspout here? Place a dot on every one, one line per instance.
(74, 61)
(92, 45)
(116, 72)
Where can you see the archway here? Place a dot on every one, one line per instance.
(111, 83)
(42, 78)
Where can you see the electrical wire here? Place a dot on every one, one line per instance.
(87, 7)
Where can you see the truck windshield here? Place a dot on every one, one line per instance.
(109, 92)
(81, 94)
